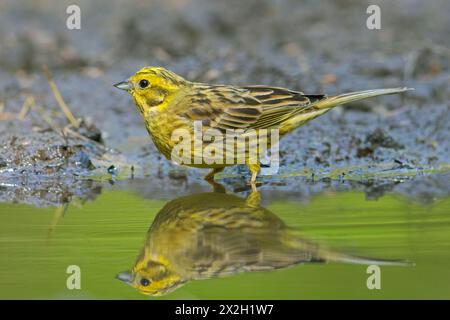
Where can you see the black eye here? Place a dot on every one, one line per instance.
(143, 83)
(145, 282)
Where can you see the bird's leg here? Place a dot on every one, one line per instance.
(253, 181)
(217, 187)
(210, 179)
(254, 169)
(253, 199)
(210, 176)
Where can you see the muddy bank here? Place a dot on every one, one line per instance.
(295, 44)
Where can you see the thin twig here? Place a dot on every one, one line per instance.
(57, 215)
(59, 99)
(66, 130)
(47, 119)
(29, 101)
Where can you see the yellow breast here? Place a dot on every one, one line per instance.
(160, 126)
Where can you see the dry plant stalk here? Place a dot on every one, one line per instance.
(59, 99)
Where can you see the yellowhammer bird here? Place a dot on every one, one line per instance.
(169, 103)
(209, 235)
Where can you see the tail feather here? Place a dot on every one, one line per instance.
(322, 106)
(321, 253)
(345, 258)
(334, 101)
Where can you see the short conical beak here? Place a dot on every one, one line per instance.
(125, 276)
(124, 85)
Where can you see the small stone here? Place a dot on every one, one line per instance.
(364, 152)
(3, 163)
(112, 169)
(379, 138)
(82, 160)
(90, 131)
(177, 175)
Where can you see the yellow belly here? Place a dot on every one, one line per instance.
(177, 141)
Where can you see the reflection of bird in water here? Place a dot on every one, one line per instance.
(210, 235)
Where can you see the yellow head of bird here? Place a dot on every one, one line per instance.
(151, 278)
(151, 86)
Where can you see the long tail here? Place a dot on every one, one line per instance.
(326, 104)
(320, 253)
(332, 256)
(334, 101)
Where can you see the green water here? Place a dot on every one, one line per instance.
(105, 237)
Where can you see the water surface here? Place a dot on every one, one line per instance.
(214, 246)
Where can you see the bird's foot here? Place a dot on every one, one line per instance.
(217, 187)
(253, 200)
(253, 181)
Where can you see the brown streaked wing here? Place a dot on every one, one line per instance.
(257, 107)
(222, 107)
(280, 104)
